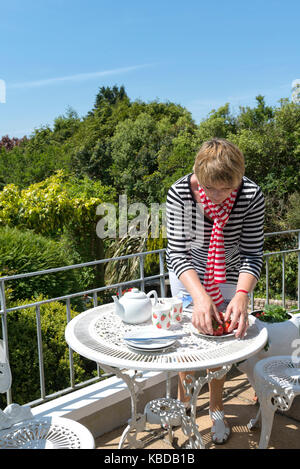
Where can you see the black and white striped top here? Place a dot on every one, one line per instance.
(188, 231)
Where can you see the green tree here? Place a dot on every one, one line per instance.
(175, 157)
(219, 123)
(143, 151)
(34, 160)
(91, 146)
(251, 118)
(272, 155)
(135, 144)
(65, 126)
(109, 96)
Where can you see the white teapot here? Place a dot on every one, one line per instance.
(135, 306)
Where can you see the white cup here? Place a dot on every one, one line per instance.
(176, 308)
(161, 316)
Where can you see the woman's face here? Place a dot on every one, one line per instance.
(218, 192)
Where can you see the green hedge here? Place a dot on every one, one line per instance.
(24, 251)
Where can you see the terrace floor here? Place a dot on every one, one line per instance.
(240, 406)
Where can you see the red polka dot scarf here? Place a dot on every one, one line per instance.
(215, 268)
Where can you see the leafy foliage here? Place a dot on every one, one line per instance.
(273, 313)
(48, 206)
(24, 251)
(61, 208)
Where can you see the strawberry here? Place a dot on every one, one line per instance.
(158, 325)
(217, 328)
(226, 326)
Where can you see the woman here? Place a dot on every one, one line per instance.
(215, 220)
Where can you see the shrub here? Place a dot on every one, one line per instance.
(25, 251)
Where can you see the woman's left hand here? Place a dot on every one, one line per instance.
(237, 312)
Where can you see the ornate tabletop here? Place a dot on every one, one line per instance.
(98, 334)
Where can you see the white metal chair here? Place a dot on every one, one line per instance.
(19, 429)
(277, 382)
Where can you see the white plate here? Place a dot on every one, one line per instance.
(208, 336)
(149, 345)
(146, 348)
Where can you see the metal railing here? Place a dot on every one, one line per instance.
(283, 254)
(141, 282)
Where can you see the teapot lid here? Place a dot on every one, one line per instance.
(135, 294)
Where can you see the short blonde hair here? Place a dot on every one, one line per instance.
(219, 161)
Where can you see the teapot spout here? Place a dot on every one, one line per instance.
(119, 308)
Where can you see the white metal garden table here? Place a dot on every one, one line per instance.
(98, 334)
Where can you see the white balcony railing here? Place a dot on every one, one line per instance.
(140, 282)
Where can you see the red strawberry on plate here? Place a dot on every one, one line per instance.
(226, 326)
(217, 328)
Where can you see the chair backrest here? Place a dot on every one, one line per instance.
(5, 374)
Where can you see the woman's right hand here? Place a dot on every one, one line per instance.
(203, 312)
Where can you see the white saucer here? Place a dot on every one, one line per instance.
(149, 345)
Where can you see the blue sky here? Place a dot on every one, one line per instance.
(200, 54)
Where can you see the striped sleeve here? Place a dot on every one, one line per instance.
(178, 216)
(252, 236)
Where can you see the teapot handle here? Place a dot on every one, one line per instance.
(154, 293)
